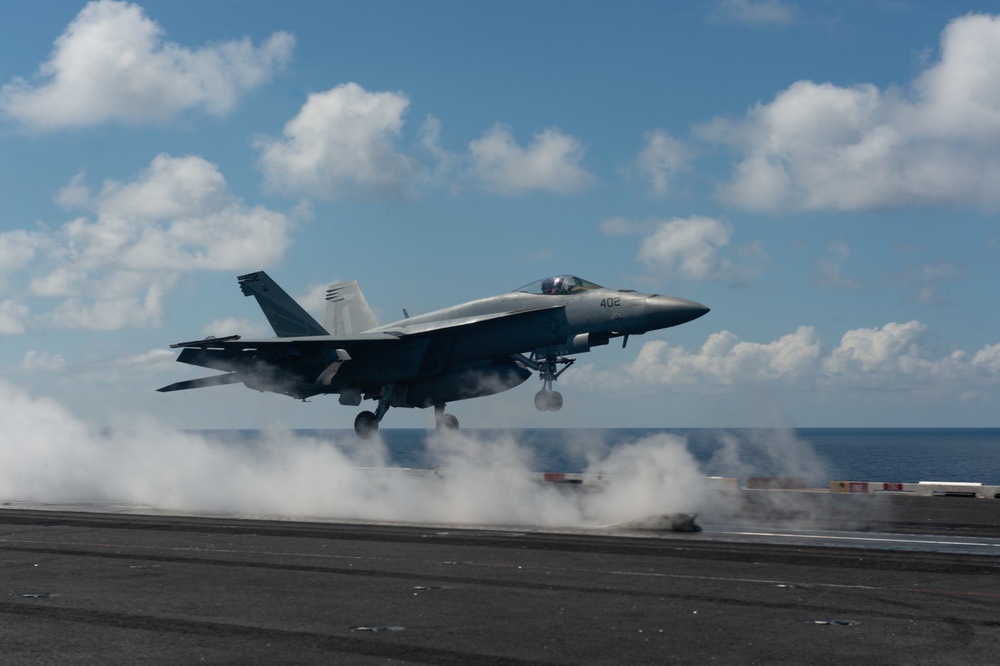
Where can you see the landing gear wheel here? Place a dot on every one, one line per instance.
(548, 401)
(366, 425)
(447, 423)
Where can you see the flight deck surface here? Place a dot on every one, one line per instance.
(101, 586)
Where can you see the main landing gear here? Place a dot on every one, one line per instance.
(548, 400)
(445, 422)
(366, 423)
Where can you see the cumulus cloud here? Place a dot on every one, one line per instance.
(987, 360)
(341, 145)
(662, 159)
(113, 64)
(344, 144)
(18, 247)
(447, 164)
(14, 317)
(111, 301)
(178, 215)
(727, 361)
(820, 146)
(896, 357)
(551, 162)
(111, 267)
(893, 353)
(693, 248)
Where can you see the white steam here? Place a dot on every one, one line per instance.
(49, 455)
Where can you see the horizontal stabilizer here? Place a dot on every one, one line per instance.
(207, 342)
(214, 380)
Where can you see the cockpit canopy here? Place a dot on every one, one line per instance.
(559, 284)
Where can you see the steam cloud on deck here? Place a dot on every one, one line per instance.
(49, 455)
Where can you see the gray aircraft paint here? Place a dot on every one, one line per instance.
(464, 351)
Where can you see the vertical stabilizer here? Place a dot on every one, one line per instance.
(347, 310)
(287, 317)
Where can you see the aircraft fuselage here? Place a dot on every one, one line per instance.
(464, 351)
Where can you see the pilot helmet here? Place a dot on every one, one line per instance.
(552, 285)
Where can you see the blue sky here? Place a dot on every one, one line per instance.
(824, 176)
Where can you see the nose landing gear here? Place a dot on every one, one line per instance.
(547, 400)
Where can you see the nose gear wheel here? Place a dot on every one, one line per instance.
(547, 400)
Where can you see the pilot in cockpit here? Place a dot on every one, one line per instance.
(552, 285)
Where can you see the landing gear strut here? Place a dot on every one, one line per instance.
(366, 423)
(548, 400)
(445, 422)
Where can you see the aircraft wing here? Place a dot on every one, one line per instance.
(455, 324)
(235, 342)
(375, 358)
(202, 382)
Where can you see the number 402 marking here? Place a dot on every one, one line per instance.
(611, 302)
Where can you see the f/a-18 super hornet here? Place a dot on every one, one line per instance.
(464, 351)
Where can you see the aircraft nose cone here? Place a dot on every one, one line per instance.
(664, 311)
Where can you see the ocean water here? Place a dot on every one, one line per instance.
(905, 455)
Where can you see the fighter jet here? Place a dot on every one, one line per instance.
(464, 351)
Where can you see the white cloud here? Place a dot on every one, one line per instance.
(340, 145)
(895, 358)
(177, 215)
(726, 360)
(551, 162)
(661, 160)
(314, 300)
(114, 300)
(113, 64)
(447, 163)
(19, 247)
(893, 352)
(692, 248)
(987, 360)
(13, 317)
(112, 268)
(755, 12)
(821, 146)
